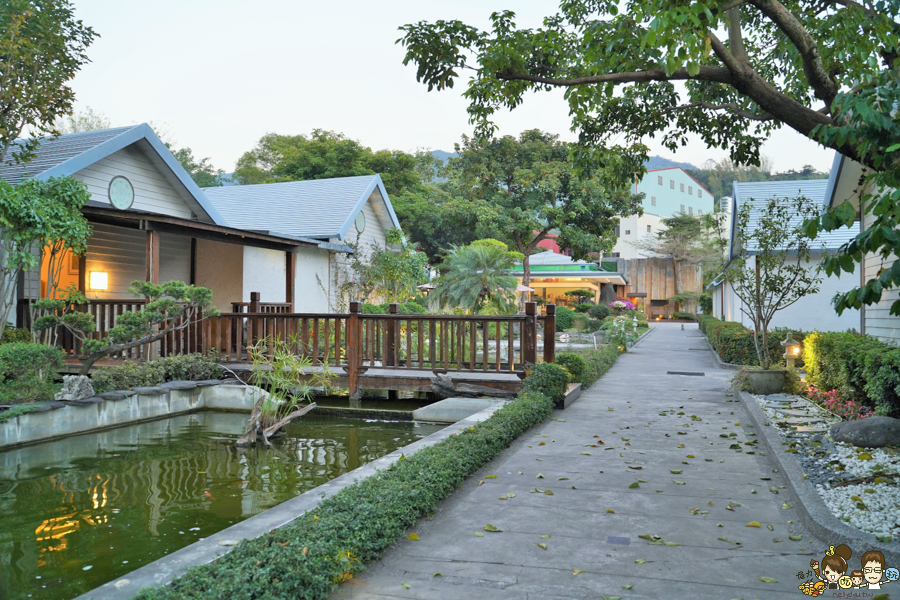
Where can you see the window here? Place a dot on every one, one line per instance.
(660, 180)
(690, 189)
(672, 183)
(648, 229)
(699, 211)
(618, 234)
(699, 193)
(682, 209)
(614, 255)
(682, 187)
(690, 210)
(653, 200)
(627, 232)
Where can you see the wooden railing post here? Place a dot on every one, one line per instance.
(354, 350)
(252, 332)
(529, 334)
(254, 302)
(391, 332)
(550, 334)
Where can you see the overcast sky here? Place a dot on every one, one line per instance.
(219, 74)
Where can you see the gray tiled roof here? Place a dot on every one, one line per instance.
(757, 193)
(53, 152)
(317, 208)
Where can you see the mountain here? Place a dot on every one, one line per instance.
(658, 162)
(444, 156)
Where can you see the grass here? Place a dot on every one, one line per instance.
(15, 411)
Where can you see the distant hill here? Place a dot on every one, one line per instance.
(444, 156)
(658, 162)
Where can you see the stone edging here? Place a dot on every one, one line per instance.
(171, 566)
(643, 335)
(812, 510)
(721, 363)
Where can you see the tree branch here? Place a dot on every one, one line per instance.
(707, 73)
(732, 108)
(735, 39)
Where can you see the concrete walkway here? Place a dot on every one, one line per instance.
(672, 435)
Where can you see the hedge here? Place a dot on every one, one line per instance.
(564, 318)
(28, 371)
(734, 343)
(549, 379)
(329, 544)
(179, 367)
(861, 367)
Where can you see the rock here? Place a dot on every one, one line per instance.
(117, 395)
(75, 387)
(874, 432)
(149, 390)
(607, 294)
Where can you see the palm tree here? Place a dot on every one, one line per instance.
(475, 275)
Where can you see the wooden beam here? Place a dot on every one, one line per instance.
(290, 266)
(82, 273)
(151, 258)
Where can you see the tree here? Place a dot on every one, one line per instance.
(86, 120)
(387, 274)
(830, 71)
(201, 171)
(772, 270)
(477, 275)
(170, 307)
(39, 218)
(42, 47)
(521, 189)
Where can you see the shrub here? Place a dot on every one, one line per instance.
(28, 370)
(834, 402)
(12, 335)
(593, 325)
(308, 557)
(598, 362)
(599, 312)
(734, 343)
(619, 307)
(372, 309)
(582, 308)
(412, 308)
(130, 374)
(684, 315)
(548, 379)
(837, 361)
(574, 364)
(564, 318)
(882, 381)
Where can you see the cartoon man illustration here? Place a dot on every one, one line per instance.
(873, 568)
(857, 577)
(834, 565)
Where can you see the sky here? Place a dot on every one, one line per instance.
(217, 75)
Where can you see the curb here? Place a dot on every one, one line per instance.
(643, 335)
(816, 516)
(719, 362)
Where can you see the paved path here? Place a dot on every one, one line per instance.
(636, 411)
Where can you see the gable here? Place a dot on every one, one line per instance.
(153, 192)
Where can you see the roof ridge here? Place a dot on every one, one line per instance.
(78, 133)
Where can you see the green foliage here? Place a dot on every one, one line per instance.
(131, 374)
(200, 170)
(565, 318)
(684, 315)
(600, 311)
(16, 334)
(42, 47)
(593, 325)
(574, 364)
(597, 363)
(16, 410)
(734, 343)
(580, 295)
(549, 379)
(27, 371)
(582, 308)
(34, 215)
(331, 543)
(474, 275)
(373, 309)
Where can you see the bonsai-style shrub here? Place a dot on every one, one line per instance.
(548, 379)
(15, 334)
(599, 311)
(573, 363)
(27, 371)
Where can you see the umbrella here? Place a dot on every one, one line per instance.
(523, 288)
(425, 286)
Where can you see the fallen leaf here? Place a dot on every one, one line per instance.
(795, 538)
(725, 539)
(304, 551)
(490, 477)
(548, 492)
(690, 456)
(539, 476)
(405, 585)
(502, 498)
(542, 546)
(413, 537)
(479, 534)
(675, 471)
(588, 453)
(610, 511)
(510, 495)
(770, 527)
(678, 482)
(438, 575)
(542, 444)
(641, 561)
(228, 543)
(635, 485)
(577, 571)
(753, 524)
(627, 586)
(765, 579)
(492, 529)
(545, 537)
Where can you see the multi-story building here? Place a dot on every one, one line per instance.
(667, 192)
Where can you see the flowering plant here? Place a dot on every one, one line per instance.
(835, 402)
(620, 306)
(623, 332)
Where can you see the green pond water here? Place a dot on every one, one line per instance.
(81, 511)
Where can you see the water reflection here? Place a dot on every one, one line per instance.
(81, 511)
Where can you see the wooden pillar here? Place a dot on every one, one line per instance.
(391, 333)
(290, 266)
(193, 280)
(253, 325)
(354, 350)
(529, 334)
(550, 334)
(82, 273)
(151, 258)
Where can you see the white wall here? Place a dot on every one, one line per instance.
(174, 258)
(879, 322)
(633, 230)
(264, 272)
(309, 296)
(813, 312)
(220, 267)
(120, 253)
(152, 191)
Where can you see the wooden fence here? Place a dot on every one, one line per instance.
(357, 342)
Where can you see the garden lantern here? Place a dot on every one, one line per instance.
(791, 350)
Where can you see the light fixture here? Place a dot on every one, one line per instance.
(791, 350)
(99, 281)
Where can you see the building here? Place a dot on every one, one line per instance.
(553, 275)
(845, 185)
(810, 312)
(667, 192)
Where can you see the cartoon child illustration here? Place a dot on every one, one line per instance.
(873, 567)
(834, 565)
(857, 577)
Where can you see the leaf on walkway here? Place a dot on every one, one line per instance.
(577, 571)
(405, 585)
(675, 471)
(777, 540)
(492, 529)
(539, 476)
(588, 453)
(545, 537)
(542, 444)
(625, 439)
(548, 492)
(635, 485)
(752, 491)
(510, 495)
(795, 538)
(690, 456)
(672, 544)
(678, 482)
(542, 546)
(710, 503)
(479, 534)
(641, 561)
(765, 579)
(610, 511)
(753, 524)
(681, 445)
(490, 477)
(725, 539)
(413, 537)
(627, 586)
(770, 527)
(502, 498)
(563, 479)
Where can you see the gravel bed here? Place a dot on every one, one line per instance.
(872, 506)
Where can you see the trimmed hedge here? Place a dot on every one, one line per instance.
(180, 367)
(734, 343)
(573, 363)
(565, 318)
(549, 379)
(597, 363)
(28, 371)
(861, 367)
(600, 312)
(329, 544)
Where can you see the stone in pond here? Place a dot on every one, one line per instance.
(75, 387)
(874, 432)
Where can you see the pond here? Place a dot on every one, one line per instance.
(81, 511)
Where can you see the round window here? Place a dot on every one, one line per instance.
(121, 193)
(360, 222)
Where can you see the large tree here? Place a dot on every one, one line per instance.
(730, 72)
(42, 46)
(521, 189)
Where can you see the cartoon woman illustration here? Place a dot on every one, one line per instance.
(873, 567)
(834, 565)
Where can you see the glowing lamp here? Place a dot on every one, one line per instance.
(791, 350)
(99, 280)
